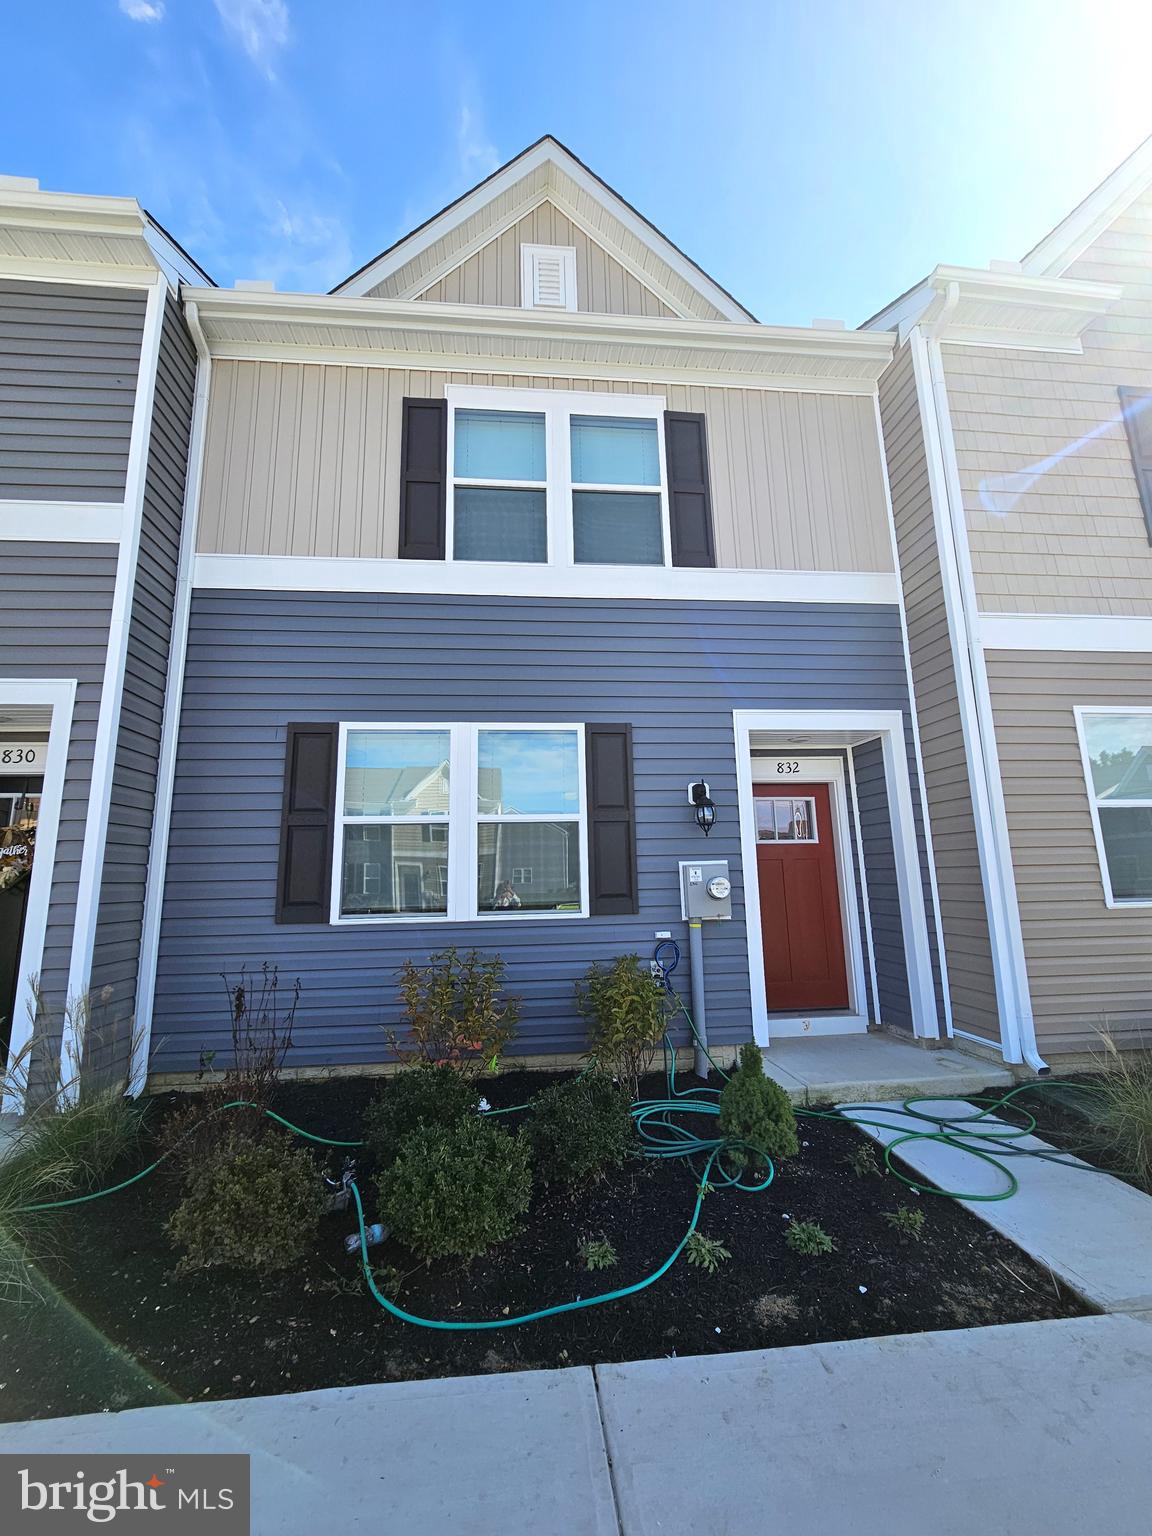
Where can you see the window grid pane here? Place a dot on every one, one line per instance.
(617, 528)
(397, 773)
(500, 445)
(615, 450)
(1120, 756)
(547, 851)
(389, 870)
(491, 524)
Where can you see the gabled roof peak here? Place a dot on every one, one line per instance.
(1074, 234)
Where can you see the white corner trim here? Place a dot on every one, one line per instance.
(170, 727)
(1013, 994)
(476, 578)
(888, 725)
(73, 522)
(60, 695)
(112, 691)
(1064, 632)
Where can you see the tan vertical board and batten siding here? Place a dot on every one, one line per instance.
(963, 913)
(1067, 534)
(491, 275)
(68, 362)
(304, 459)
(1088, 964)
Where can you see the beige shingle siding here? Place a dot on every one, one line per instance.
(1089, 966)
(967, 944)
(1074, 540)
(304, 459)
(491, 275)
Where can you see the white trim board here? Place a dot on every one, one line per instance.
(1091, 217)
(838, 726)
(1064, 632)
(72, 522)
(476, 578)
(59, 694)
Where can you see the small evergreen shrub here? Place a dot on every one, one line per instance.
(597, 1253)
(707, 1253)
(755, 1110)
(420, 1097)
(907, 1223)
(248, 1204)
(578, 1128)
(809, 1238)
(455, 1190)
(626, 1011)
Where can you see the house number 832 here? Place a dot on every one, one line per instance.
(789, 767)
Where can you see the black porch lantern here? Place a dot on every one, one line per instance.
(703, 805)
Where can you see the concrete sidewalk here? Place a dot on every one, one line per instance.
(1009, 1431)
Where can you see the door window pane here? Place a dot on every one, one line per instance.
(610, 450)
(1120, 755)
(500, 445)
(780, 820)
(548, 852)
(492, 524)
(529, 773)
(397, 773)
(391, 869)
(1126, 832)
(616, 528)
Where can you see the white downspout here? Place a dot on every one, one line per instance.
(173, 699)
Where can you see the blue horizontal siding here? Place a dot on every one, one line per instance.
(675, 670)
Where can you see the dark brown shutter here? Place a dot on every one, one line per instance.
(689, 498)
(303, 884)
(613, 889)
(423, 473)
(1136, 405)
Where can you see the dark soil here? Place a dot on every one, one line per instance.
(118, 1329)
(1065, 1111)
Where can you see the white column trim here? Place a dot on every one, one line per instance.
(60, 695)
(112, 691)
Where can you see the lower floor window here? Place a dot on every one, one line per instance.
(461, 821)
(1117, 751)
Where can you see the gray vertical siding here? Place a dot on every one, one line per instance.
(69, 358)
(55, 604)
(133, 792)
(675, 670)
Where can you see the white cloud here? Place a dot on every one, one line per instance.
(143, 10)
(478, 155)
(260, 26)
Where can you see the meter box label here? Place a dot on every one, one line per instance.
(705, 889)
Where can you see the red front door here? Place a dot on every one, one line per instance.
(800, 918)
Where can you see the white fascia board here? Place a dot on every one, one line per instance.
(1065, 632)
(503, 181)
(478, 578)
(1088, 220)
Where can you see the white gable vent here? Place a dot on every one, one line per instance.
(548, 276)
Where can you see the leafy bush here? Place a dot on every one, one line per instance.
(809, 1238)
(862, 1161)
(456, 1189)
(252, 1205)
(597, 1253)
(625, 1007)
(755, 1111)
(455, 1014)
(420, 1097)
(578, 1128)
(706, 1253)
(907, 1223)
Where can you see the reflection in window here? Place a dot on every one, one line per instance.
(785, 819)
(528, 859)
(1118, 750)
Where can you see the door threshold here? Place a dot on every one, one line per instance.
(794, 1026)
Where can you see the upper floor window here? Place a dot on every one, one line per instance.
(550, 477)
(548, 276)
(1117, 749)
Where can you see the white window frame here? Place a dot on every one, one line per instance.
(557, 407)
(529, 257)
(462, 821)
(1081, 712)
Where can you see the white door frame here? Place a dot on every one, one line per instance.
(830, 771)
(841, 728)
(59, 694)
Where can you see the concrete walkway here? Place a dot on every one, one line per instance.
(1090, 1229)
(839, 1069)
(1009, 1431)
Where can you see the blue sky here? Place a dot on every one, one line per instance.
(815, 157)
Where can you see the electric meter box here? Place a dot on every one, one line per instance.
(705, 889)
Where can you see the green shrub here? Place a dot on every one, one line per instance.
(862, 1161)
(907, 1223)
(707, 1253)
(456, 1189)
(578, 1128)
(756, 1111)
(455, 1014)
(809, 1238)
(597, 1253)
(626, 1011)
(252, 1205)
(420, 1097)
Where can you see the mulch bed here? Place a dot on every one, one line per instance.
(1064, 1118)
(119, 1330)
